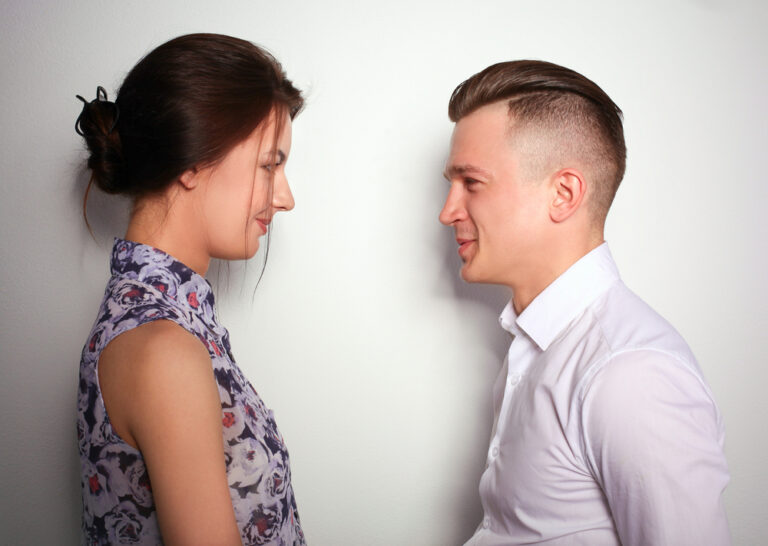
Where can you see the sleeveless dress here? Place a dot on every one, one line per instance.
(118, 508)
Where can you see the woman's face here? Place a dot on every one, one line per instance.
(242, 192)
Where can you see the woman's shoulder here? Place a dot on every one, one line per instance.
(147, 370)
(152, 343)
(125, 294)
(129, 304)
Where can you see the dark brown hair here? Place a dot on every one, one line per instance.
(573, 111)
(184, 105)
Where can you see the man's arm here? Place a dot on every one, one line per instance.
(653, 441)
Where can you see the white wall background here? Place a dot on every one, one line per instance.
(377, 360)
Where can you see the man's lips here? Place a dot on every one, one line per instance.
(464, 245)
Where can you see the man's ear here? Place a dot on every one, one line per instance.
(568, 190)
(189, 178)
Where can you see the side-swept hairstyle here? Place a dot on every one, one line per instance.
(184, 105)
(573, 111)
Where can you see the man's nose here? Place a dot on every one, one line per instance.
(453, 208)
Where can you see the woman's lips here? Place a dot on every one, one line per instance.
(263, 223)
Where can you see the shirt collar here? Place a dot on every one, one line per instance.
(563, 300)
(187, 289)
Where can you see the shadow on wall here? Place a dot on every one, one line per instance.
(108, 217)
(107, 214)
(487, 301)
(491, 298)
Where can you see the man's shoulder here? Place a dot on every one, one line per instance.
(627, 323)
(619, 330)
(638, 347)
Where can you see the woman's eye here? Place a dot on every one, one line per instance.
(277, 160)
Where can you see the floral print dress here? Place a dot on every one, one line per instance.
(118, 508)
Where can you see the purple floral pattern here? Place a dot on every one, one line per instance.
(118, 508)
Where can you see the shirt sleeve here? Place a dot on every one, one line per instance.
(653, 440)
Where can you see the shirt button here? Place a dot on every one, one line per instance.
(495, 452)
(514, 379)
(486, 522)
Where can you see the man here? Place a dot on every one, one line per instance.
(605, 431)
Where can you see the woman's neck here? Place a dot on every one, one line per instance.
(167, 224)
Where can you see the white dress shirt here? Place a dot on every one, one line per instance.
(605, 431)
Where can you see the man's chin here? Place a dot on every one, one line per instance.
(469, 274)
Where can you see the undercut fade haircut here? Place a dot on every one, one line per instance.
(557, 115)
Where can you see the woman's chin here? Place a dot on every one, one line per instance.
(253, 248)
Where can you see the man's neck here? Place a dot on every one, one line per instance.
(555, 262)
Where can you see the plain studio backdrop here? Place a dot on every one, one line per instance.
(377, 360)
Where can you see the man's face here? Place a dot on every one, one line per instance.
(499, 218)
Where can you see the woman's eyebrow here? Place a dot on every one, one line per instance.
(279, 153)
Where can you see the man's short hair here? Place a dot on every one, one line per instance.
(567, 115)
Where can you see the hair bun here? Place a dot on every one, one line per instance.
(97, 124)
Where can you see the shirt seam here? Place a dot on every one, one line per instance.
(599, 365)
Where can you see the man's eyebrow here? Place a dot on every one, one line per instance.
(458, 170)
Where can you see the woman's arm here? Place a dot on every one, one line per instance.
(161, 396)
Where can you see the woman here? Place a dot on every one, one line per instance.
(176, 447)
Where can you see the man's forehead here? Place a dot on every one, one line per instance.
(486, 130)
(491, 121)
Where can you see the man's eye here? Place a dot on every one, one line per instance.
(470, 181)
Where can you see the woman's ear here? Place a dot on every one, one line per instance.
(568, 187)
(189, 178)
